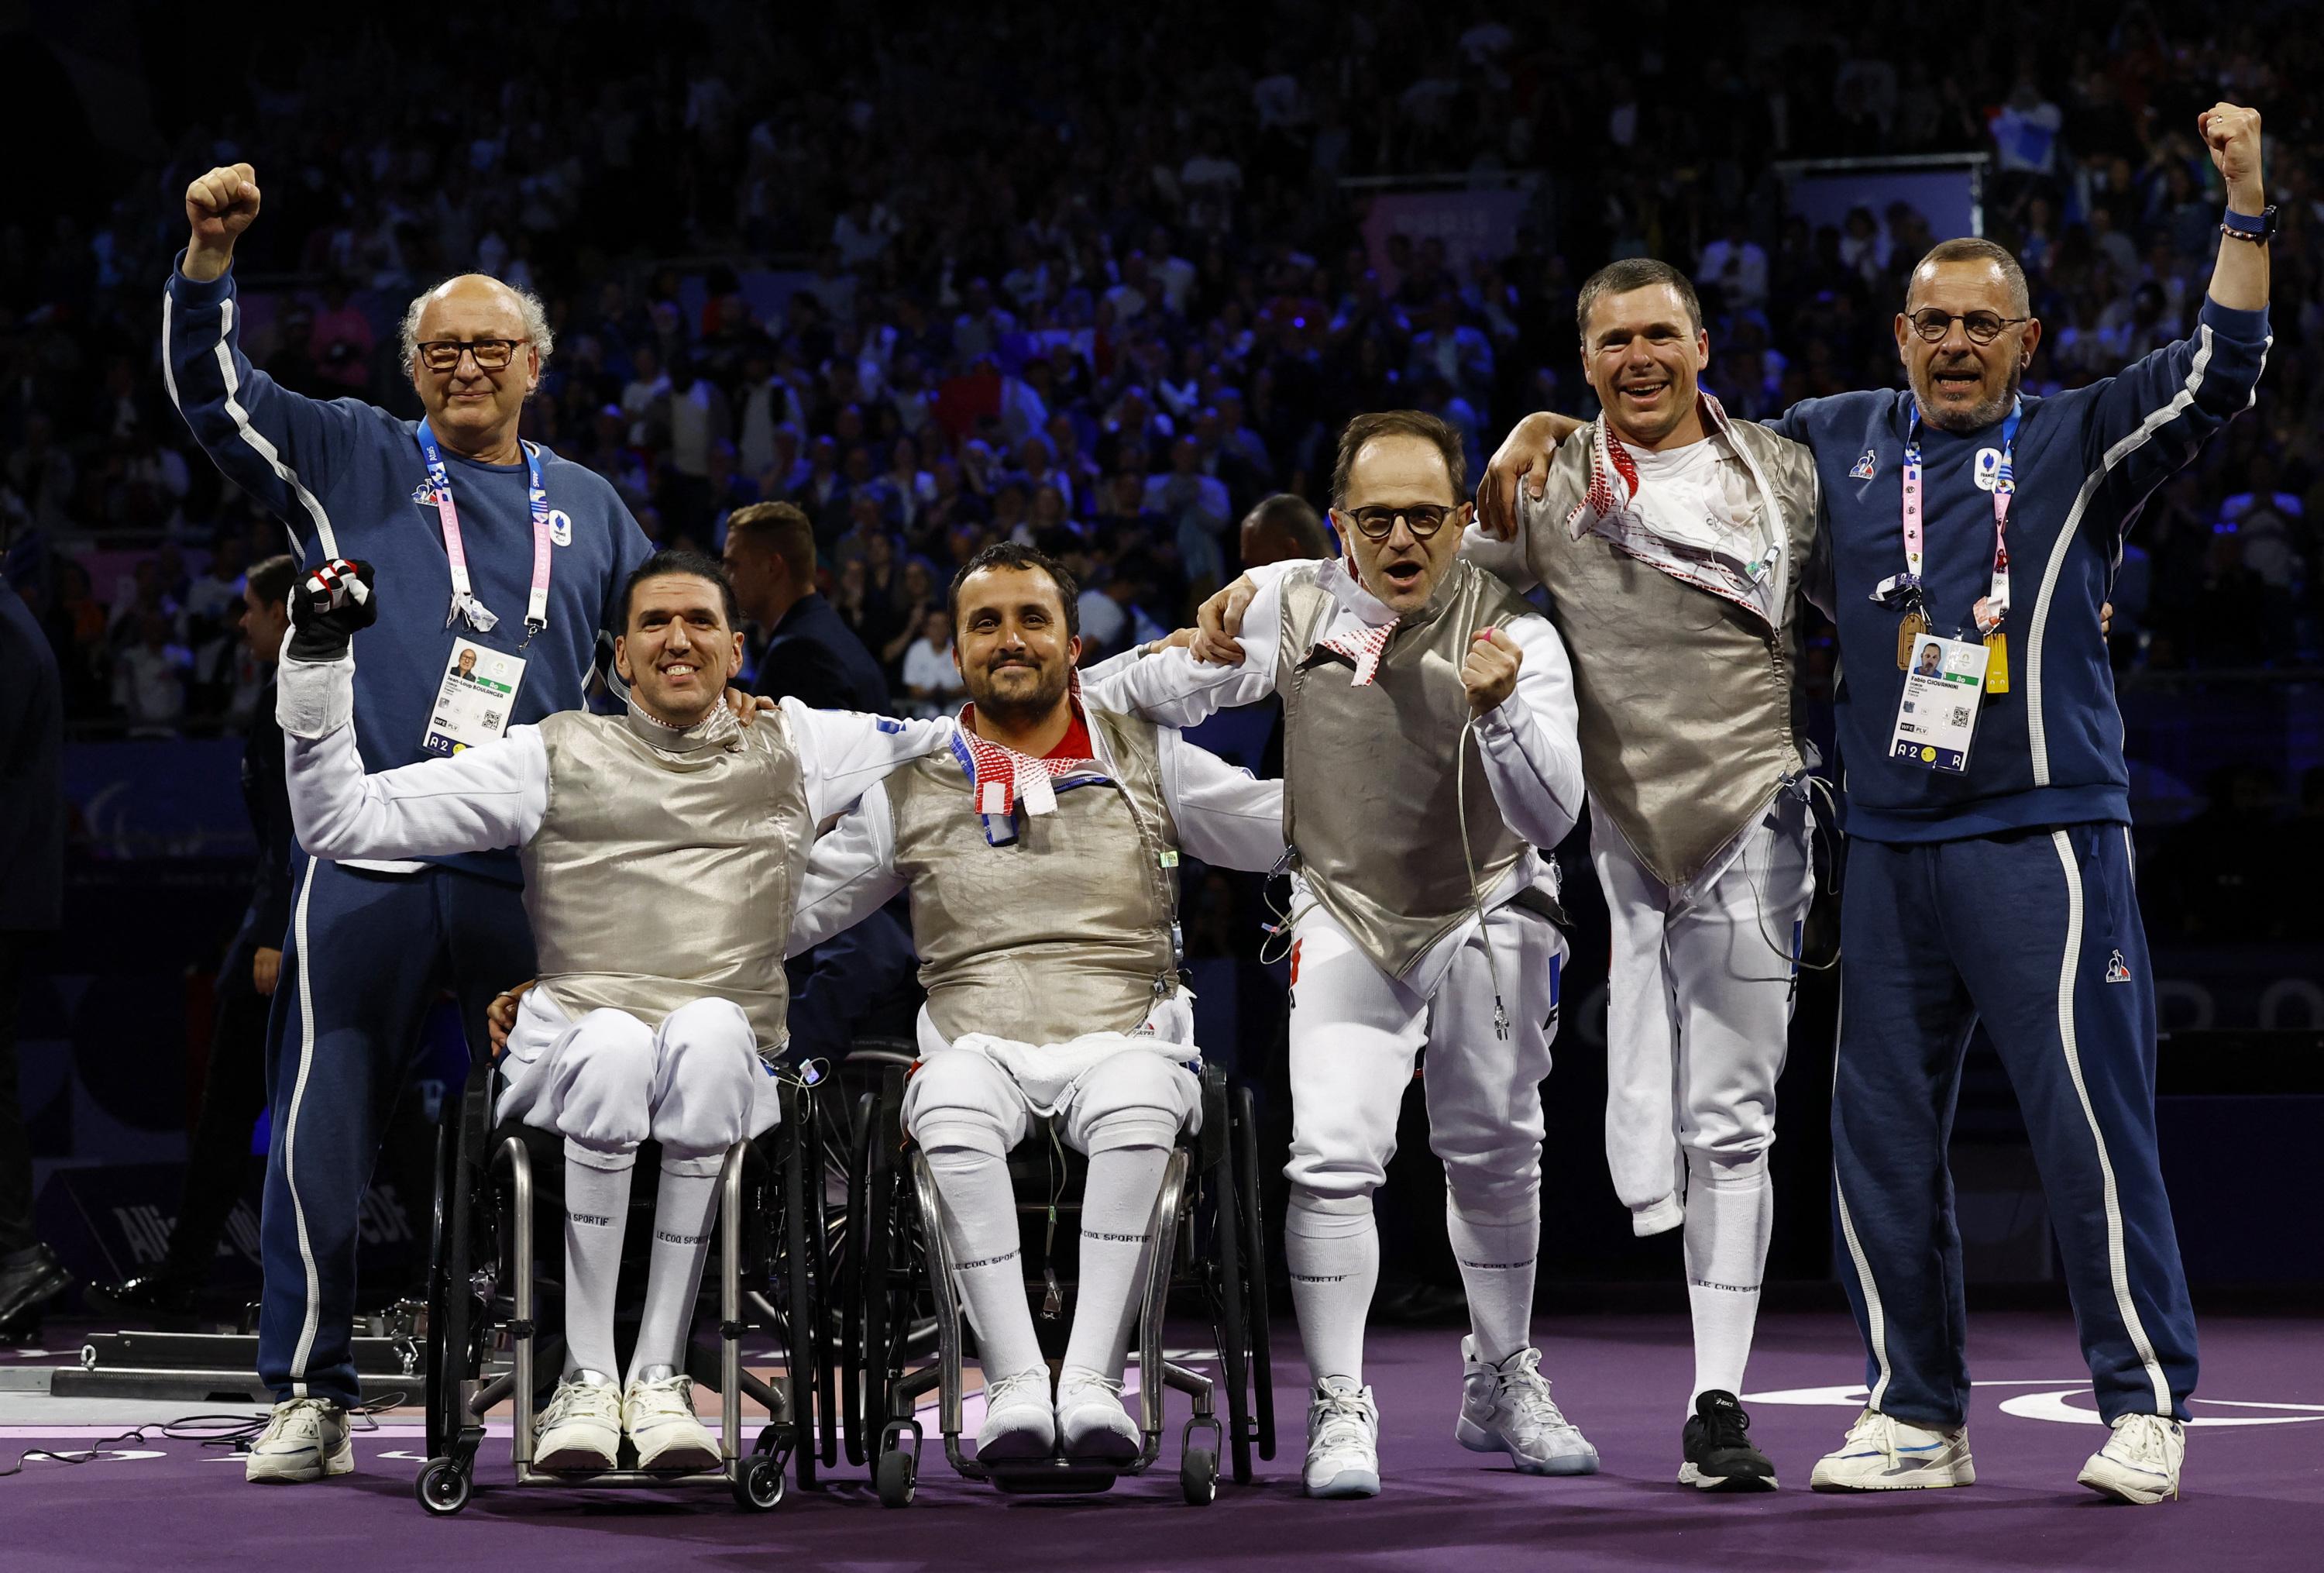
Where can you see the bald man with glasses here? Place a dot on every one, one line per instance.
(1430, 765)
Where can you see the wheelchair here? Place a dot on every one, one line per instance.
(903, 1333)
(487, 1343)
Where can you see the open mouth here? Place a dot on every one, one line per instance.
(1403, 575)
(1956, 381)
(1642, 391)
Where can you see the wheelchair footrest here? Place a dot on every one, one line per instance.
(1050, 1477)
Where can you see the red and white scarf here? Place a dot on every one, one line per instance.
(1739, 568)
(1002, 777)
(1363, 646)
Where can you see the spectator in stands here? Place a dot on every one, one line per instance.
(810, 654)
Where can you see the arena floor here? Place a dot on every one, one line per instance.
(2255, 1480)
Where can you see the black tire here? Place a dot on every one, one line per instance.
(897, 1477)
(1198, 1477)
(758, 1482)
(442, 1487)
(1255, 1270)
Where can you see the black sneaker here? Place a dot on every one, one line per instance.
(28, 1282)
(1719, 1456)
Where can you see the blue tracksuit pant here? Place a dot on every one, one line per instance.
(364, 959)
(2037, 934)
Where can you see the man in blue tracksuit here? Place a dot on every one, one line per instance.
(529, 553)
(1990, 864)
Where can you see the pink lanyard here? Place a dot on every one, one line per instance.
(465, 601)
(1989, 610)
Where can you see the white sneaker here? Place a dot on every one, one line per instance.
(658, 1412)
(1093, 1422)
(306, 1439)
(581, 1429)
(1882, 1453)
(1342, 1441)
(1019, 1420)
(2140, 1462)
(1507, 1409)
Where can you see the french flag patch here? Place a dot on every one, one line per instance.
(1865, 467)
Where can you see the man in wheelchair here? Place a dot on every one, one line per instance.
(662, 850)
(1040, 855)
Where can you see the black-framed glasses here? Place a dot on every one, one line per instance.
(1982, 326)
(1422, 519)
(492, 355)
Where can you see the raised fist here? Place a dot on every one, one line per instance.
(219, 206)
(2232, 133)
(327, 608)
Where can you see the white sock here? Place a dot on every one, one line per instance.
(985, 1243)
(1729, 1210)
(1117, 1220)
(1496, 1268)
(684, 1210)
(1335, 1259)
(596, 1211)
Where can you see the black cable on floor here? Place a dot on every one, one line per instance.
(236, 1431)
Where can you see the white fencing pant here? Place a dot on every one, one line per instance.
(1120, 1099)
(1699, 1008)
(1355, 1032)
(606, 1083)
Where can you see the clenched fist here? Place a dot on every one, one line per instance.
(2232, 133)
(219, 206)
(1490, 670)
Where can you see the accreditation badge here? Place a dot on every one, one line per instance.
(475, 697)
(1944, 689)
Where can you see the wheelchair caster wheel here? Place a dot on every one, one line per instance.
(758, 1482)
(443, 1487)
(1198, 1477)
(897, 1478)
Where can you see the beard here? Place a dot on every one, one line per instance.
(1978, 416)
(1019, 701)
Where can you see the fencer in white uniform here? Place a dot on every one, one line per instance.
(1429, 759)
(1041, 856)
(1677, 547)
(661, 851)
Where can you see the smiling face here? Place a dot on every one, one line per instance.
(1963, 385)
(1012, 645)
(1643, 354)
(679, 651)
(475, 412)
(1398, 470)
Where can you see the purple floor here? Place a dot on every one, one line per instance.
(2255, 1481)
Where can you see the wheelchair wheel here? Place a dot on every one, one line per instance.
(758, 1482)
(1198, 1477)
(1256, 1330)
(897, 1476)
(443, 1487)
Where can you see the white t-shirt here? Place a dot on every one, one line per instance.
(930, 666)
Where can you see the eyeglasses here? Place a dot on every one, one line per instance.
(1422, 519)
(1982, 326)
(492, 355)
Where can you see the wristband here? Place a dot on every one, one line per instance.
(2258, 228)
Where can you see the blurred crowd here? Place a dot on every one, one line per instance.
(1097, 277)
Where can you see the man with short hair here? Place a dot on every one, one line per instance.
(1989, 861)
(1040, 858)
(811, 655)
(662, 850)
(1280, 528)
(503, 549)
(1430, 765)
(1676, 547)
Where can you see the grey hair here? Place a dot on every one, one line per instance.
(536, 321)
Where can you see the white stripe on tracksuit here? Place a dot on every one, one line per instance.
(249, 434)
(289, 1137)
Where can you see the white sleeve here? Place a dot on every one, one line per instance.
(843, 752)
(1531, 754)
(494, 794)
(1175, 690)
(1508, 560)
(1226, 816)
(851, 874)
(1097, 674)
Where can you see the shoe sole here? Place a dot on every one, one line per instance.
(1017, 1446)
(1348, 1483)
(1104, 1447)
(342, 1462)
(2118, 1490)
(579, 1459)
(1478, 1440)
(1929, 1479)
(1688, 1474)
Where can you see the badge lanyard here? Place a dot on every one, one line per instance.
(1991, 608)
(465, 602)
